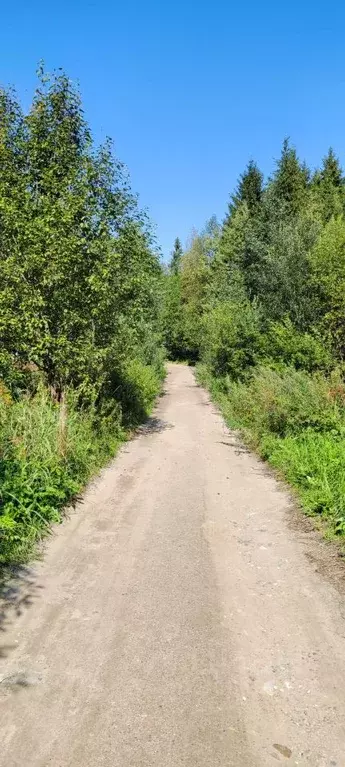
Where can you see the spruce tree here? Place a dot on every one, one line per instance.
(249, 190)
(176, 257)
(331, 169)
(290, 181)
(328, 185)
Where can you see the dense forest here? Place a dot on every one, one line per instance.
(88, 313)
(80, 299)
(259, 302)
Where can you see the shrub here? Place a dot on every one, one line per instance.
(327, 260)
(45, 462)
(231, 339)
(314, 463)
(296, 422)
(137, 389)
(287, 402)
(284, 345)
(39, 474)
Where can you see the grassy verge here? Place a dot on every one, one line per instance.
(47, 456)
(296, 422)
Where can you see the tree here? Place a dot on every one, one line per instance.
(237, 260)
(186, 294)
(210, 236)
(173, 319)
(20, 325)
(249, 190)
(328, 188)
(231, 338)
(65, 232)
(290, 181)
(227, 268)
(283, 282)
(327, 259)
(79, 274)
(194, 273)
(176, 256)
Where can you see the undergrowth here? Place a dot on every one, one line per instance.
(296, 422)
(47, 455)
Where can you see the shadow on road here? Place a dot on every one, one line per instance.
(239, 449)
(18, 591)
(154, 426)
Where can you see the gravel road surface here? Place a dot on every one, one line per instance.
(178, 617)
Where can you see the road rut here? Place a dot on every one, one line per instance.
(176, 618)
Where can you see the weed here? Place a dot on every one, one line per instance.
(48, 452)
(297, 423)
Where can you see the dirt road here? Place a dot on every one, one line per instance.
(177, 618)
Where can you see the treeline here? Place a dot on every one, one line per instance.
(259, 301)
(80, 293)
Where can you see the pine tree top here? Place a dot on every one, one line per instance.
(331, 169)
(249, 189)
(176, 256)
(291, 179)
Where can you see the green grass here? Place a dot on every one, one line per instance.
(314, 464)
(296, 422)
(46, 460)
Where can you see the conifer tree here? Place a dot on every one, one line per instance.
(290, 181)
(176, 256)
(249, 190)
(328, 187)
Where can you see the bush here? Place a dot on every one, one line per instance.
(327, 260)
(47, 454)
(296, 422)
(284, 345)
(315, 464)
(231, 339)
(173, 320)
(287, 402)
(42, 468)
(135, 388)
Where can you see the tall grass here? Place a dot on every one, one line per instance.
(45, 463)
(296, 422)
(314, 463)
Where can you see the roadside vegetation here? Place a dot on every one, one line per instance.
(86, 310)
(81, 357)
(259, 303)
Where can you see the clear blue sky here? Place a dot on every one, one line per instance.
(190, 90)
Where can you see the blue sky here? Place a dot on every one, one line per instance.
(190, 90)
